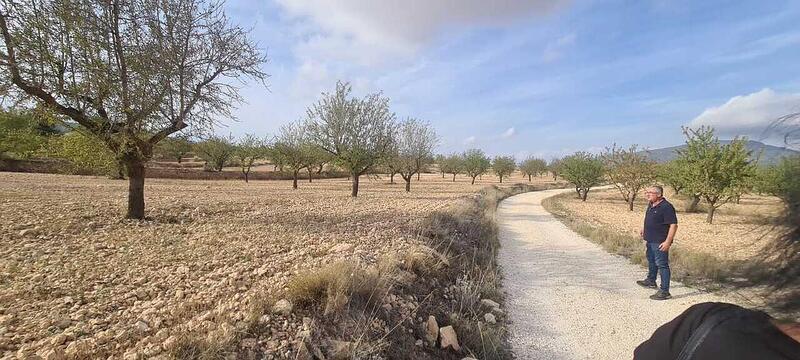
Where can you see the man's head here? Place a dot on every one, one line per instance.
(654, 193)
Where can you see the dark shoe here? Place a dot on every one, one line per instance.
(661, 295)
(646, 283)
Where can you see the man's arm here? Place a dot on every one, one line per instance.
(670, 235)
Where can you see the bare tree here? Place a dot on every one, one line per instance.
(555, 167)
(629, 171)
(247, 150)
(415, 142)
(129, 72)
(291, 146)
(503, 166)
(358, 132)
(476, 163)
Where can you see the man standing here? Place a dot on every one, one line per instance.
(660, 224)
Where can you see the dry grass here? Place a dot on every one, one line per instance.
(697, 268)
(208, 248)
(739, 232)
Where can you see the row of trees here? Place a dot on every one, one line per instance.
(705, 170)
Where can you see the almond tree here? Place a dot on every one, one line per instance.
(357, 132)
(555, 167)
(476, 163)
(216, 151)
(129, 72)
(247, 150)
(176, 147)
(452, 164)
(291, 146)
(716, 172)
(503, 166)
(532, 167)
(583, 170)
(415, 143)
(629, 171)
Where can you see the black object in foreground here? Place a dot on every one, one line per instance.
(711, 331)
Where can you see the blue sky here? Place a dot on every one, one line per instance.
(527, 77)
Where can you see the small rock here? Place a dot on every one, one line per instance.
(339, 350)
(179, 294)
(54, 354)
(489, 318)
(431, 330)
(28, 233)
(249, 343)
(58, 340)
(183, 269)
(142, 326)
(283, 306)
(489, 303)
(341, 248)
(449, 338)
(419, 342)
(169, 343)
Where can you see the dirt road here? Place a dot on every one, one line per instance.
(567, 297)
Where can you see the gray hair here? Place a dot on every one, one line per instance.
(659, 189)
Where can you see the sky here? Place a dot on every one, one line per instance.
(532, 77)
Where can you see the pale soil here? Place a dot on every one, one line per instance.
(569, 299)
(739, 231)
(82, 279)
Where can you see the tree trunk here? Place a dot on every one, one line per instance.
(294, 182)
(179, 159)
(473, 180)
(630, 203)
(501, 179)
(529, 177)
(442, 174)
(354, 193)
(135, 190)
(246, 175)
(693, 202)
(274, 168)
(408, 184)
(711, 210)
(319, 170)
(418, 174)
(391, 178)
(309, 174)
(585, 194)
(454, 177)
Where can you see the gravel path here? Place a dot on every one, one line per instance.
(567, 297)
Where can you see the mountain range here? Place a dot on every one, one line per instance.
(769, 154)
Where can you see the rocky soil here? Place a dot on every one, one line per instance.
(78, 281)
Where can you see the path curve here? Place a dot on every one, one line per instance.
(567, 298)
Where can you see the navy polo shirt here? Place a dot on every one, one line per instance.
(657, 221)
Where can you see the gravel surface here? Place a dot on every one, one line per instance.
(567, 297)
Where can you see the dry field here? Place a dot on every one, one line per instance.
(74, 276)
(739, 231)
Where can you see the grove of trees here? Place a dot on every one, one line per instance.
(130, 73)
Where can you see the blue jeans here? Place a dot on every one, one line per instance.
(658, 263)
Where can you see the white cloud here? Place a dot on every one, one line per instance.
(510, 132)
(749, 115)
(469, 140)
(555, 50)
(392, 28)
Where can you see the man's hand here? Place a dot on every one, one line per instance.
(664, 246)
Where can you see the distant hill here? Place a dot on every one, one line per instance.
(769, 154)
